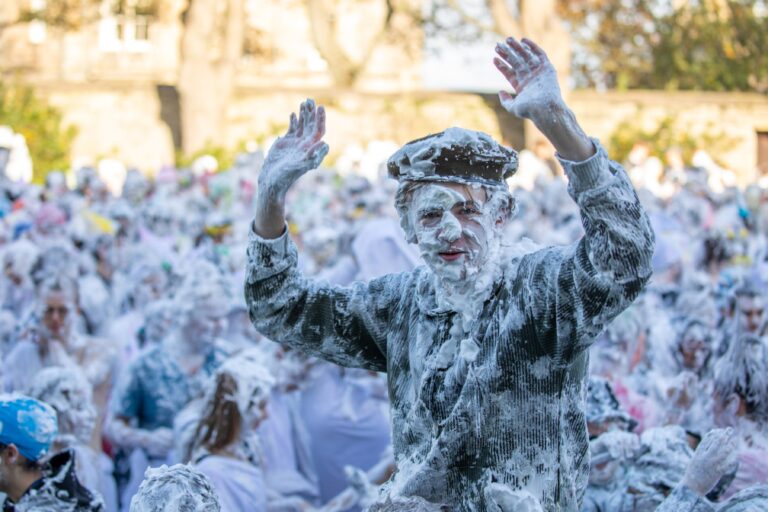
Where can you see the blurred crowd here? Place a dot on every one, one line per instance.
(127, 346)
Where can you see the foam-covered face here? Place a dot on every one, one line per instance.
(453, 228)
(58, 312)
(694, 348)
(257, 410)
(750, 312)
(76, 414)
(149, 289)
(207, 322)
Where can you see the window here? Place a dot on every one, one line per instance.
(762, 153)
(125, 25)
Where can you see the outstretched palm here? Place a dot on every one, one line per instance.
(297, 152)
(528, 70)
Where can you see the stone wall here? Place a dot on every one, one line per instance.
(124, 121)
(114, 121)
(740, 116)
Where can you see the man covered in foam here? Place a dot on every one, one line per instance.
(485, 348)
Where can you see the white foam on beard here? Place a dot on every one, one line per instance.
(462, 286)
(744, 366)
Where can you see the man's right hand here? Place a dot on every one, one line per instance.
(294, 154)
(300, 150)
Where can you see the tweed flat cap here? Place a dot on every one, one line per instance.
(456, 154)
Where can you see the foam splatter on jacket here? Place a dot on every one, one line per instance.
(511, 409)
(58, 490)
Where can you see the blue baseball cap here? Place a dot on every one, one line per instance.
(28, 424)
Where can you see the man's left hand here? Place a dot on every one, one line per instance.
(528, 70)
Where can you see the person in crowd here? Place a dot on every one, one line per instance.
(178, 488)
(225, 447)
(451, 335)
(27, 430)
(66, 390)
(163, 379)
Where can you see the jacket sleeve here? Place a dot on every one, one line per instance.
(573, 292)
(344, 325)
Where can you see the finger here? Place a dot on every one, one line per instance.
(309, 119)
(534, 58)
(521, 51)
(507, 100)
(507, 55)
(317, 153)
(536, 49)
(512, 56)
(292, 124)
(319, 125)
(318, 147)
(507, 71)
(302, 119)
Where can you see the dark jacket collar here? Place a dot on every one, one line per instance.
(60, 483)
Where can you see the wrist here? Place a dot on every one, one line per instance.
(268, 193)
(695, 485)
(553, 116)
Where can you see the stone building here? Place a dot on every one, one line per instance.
(144, 79)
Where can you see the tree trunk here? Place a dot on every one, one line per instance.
(346, 68)
(542, 24)
(211, 47)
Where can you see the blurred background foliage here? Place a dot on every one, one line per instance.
(706, 45)
(668, 134)
(49, 140)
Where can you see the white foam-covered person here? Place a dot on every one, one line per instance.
(744, 316)
(53, 339)
(18, 290)
(225, 447)
(68, 392)
(689, 393)
(345, 412)
(165, 377)
(30, 483)
(178, 488)
(290, 469)
(714, 459)
(485, 347)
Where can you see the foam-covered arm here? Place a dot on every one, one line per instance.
(157, 443)
(576, 290)
(346, 326)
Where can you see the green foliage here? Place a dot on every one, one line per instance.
(666, 135)
(64, 14)
(711, 45)
(49, 141)
(224, 156)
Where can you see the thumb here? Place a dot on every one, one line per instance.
(507, 100)
(318, 152)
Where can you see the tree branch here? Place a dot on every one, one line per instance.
(505, 23)
(468, 19)
(344, 68)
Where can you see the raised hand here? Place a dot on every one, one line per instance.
(537, 97)
(297, 152)
(532, 76)
(715, 456)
